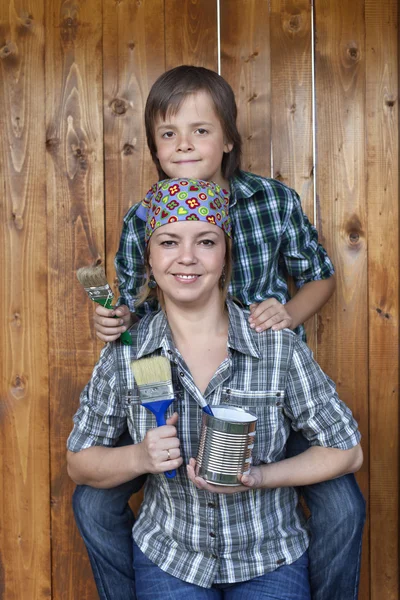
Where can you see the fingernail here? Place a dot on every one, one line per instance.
(252, 325)
(258, 329)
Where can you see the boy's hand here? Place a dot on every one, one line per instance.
(270, 314)
(107, 328)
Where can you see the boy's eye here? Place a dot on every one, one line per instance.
(201, 131)
(167, 134)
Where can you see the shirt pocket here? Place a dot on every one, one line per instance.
(266, 405)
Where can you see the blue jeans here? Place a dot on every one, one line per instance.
(289, 582)
(338, 515)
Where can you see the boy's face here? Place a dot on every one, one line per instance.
(191, 143)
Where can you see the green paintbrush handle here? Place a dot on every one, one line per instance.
(107, 303)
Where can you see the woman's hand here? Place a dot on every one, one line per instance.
(251, 481)
(160, 448)
(269, 314)
(109, 329)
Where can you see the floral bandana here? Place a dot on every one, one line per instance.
(174, 200)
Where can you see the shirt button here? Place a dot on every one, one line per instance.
(214, 556)
(212, 534)
(181, 373)
(211, 505)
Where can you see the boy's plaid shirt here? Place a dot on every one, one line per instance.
(200, 537)
(271, 237)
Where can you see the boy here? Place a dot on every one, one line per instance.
(191, 132)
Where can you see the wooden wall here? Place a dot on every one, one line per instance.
(317, 91)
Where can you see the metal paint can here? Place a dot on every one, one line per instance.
(226, 444)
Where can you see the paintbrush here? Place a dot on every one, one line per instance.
(154, 380)
(95, 283)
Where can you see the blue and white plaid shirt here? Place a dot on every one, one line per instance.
(202, 537)
(272, 237)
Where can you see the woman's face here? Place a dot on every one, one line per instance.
(187, 259)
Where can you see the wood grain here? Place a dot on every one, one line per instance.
(25, 570)
(76, 237)
(245, 64)
(291, 107)
(382, 126)
(342, 210)
(191, 33)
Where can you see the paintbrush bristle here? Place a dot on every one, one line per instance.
(92, 276)
(151, 370)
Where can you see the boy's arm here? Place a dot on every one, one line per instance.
(129, 263)
(308, 263)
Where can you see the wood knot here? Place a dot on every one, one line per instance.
(69, 29)
(18, 385)
(16, 320)
(353, 53)
(252, 56)
(390, 101)
(18, 221)
(8, 50)
(118, 106)
(382, 314)
(131, 45)
(252, 97)
(354, 237)
(294, 23)
(128, 149)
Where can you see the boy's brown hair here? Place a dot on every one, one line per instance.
(170, 90)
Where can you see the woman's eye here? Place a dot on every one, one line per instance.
(207, 243)
(168, 243)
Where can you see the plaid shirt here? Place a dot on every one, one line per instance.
(272, 238)
(203, 537)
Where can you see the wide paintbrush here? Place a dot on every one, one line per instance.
(95, 283)
(154, 380)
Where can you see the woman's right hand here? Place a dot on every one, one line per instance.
(109, 329)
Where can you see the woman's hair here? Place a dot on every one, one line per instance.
(172, 88)
(148, 293)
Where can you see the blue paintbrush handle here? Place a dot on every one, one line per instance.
(159, 410)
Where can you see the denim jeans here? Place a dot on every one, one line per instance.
(289, 582)
(338, 515)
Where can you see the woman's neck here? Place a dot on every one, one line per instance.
(202, 321)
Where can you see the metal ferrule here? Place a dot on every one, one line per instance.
(102, 291)
(152, 392)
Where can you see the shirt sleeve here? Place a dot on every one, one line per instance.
(101, 418)
(129, 263)
(304, 257)
(313, 405)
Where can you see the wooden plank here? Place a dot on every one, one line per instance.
(25, 569)
(191, 33)
(342, 210)
(383, 276)
(291, 107)
(76, 237)
(245, 64)
(132, 62)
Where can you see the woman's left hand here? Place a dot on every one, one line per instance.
(250, 481)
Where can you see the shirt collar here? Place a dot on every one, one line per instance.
(240, 336)
(244, 185)
(154, 333)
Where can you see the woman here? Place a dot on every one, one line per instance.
(193, 539)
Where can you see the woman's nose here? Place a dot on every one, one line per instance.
(187, 255)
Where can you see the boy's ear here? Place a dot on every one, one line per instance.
(227, 147)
